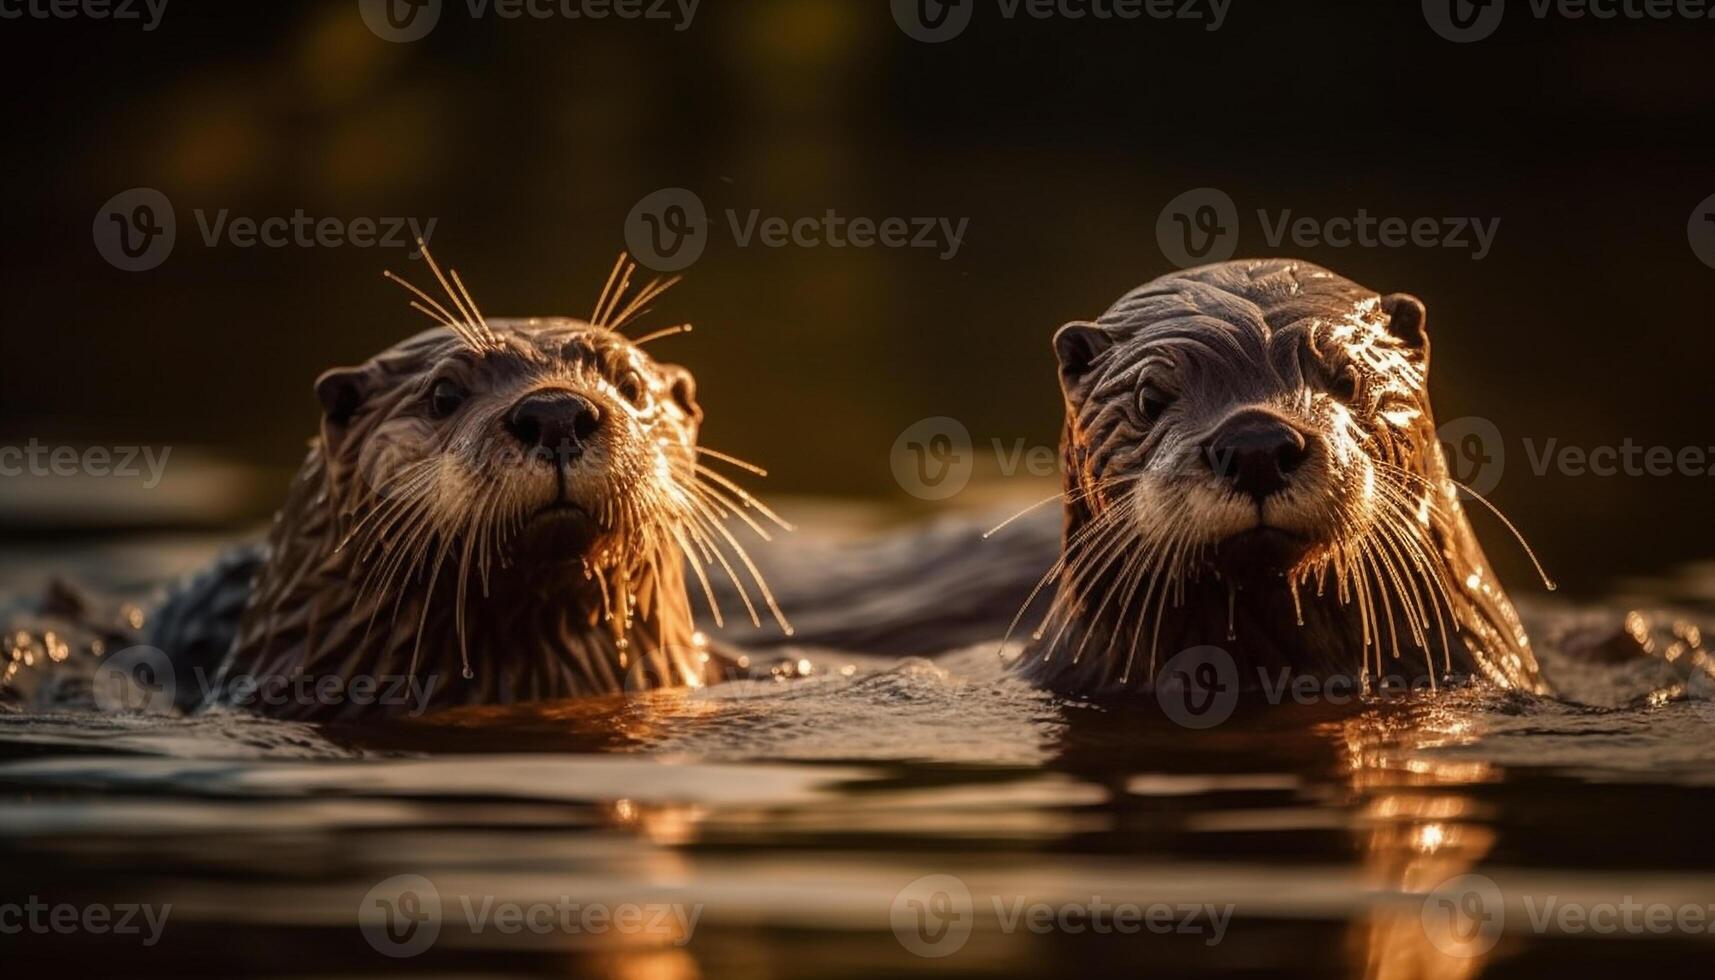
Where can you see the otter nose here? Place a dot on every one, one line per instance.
(1256, 453)
(557, 423)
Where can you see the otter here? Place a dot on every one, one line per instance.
(494, 511)
(1250, 462)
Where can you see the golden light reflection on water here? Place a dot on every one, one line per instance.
(1416, 831)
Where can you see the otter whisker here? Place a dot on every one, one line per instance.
(1050, 575)
(744, 497)
(601, 300)
(1397, 543)
(645, 296)
(1132, 560)
(429, 603)
(1068, 595)
(396, 494)
(734, 460)
(474, 330)
(408, 523)
(702, 578)
(725, 508)
(1061, 495)
(404, 560)
(470, 303)
(1172, 571)
(1157, 575)
(434, 309)
(1071, 559)
(696, 524)
(1367, 559)
(761, 585)
(478, 516)
(1430, 570)
(1137, 566)
(1388, 574)
(431, 314)
(604, 311)
(1103, 556)
(662, 334)
(1518, 535)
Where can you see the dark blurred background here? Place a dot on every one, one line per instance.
(529, 141)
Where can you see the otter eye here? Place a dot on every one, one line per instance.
(1152, 401)
(445, 398)
(632, 387)
(1344, 385)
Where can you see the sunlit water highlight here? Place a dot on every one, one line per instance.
(796, 815)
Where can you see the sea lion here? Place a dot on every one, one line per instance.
(495, 511)
(1250, 462)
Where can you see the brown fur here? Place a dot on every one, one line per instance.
(1142, 575)
(408, 547)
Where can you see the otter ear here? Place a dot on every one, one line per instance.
(1408, 320)
(1076, 347)
(682, 386)
(342, 392)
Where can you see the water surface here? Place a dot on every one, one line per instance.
(849, 822)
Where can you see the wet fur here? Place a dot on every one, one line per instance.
(438, 549)
(1396, 585)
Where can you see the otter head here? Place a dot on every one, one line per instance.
(1247, 440)
(552, 444)
(506, 508)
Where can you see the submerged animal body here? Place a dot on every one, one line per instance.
(495, 511)
(1251, 463)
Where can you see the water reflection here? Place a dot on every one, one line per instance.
(793, 814)
(1417, 829)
